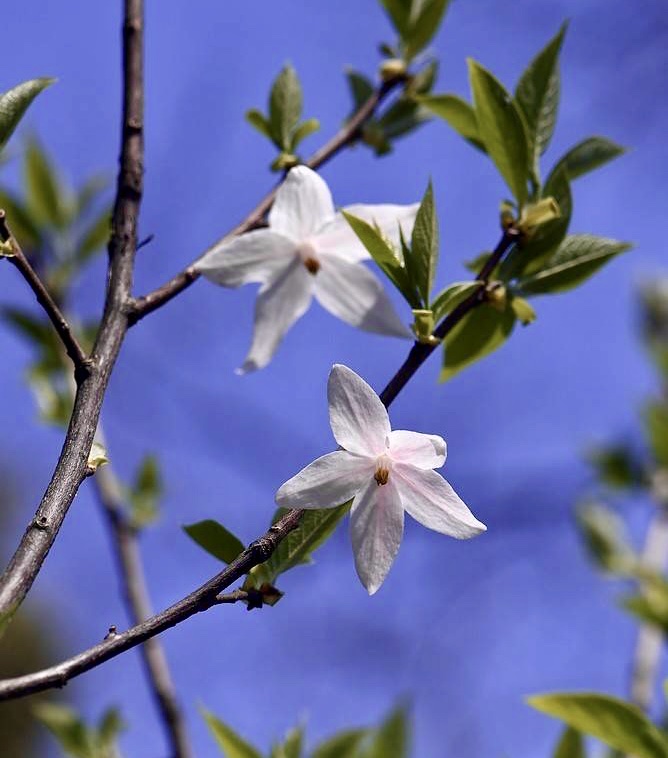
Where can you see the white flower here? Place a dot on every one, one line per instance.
(308, 251)
(385, 472)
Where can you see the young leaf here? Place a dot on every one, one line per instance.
(342, 745)
(73, 736)
(537, 95)
(457, 113)
(15, 102)
(588, 155)
(256, 119)
(146, 492)
(293, 745)
(423, 25)
(45, 196)
(501, 129)
(424, 245)
(385, 256)
(391, 738)
(478, 334)
(304, 130)
(449, 298)
(229, 742)
(618, 724)
(577, 258)
(315, 527)
(402, 117)
(361, 88)
(285, 107)
(399, 12)
(570, 745)
(523, 310)
(215, 539)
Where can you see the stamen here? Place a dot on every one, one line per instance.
(381, 476)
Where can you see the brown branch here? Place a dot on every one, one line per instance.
(345, 137)
(132, 575)
(71, 468)
(209, 594)
(82, 363)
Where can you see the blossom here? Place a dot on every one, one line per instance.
(307, 251)
(384, 472)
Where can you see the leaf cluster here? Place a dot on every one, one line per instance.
(78, 739)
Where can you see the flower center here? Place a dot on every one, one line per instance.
(306, 252)
(382, 474)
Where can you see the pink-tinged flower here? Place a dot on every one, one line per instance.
(308, 251)
(384, 472)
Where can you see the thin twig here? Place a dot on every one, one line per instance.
(345, 137)
(209, 594)
(72, 468)
(132, 576)
(81, 361)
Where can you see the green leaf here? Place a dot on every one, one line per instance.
(215, 539)
(424, 245)
(537, 95)
(449, 298)
(457, 113)
(111, 725)
(95, 238)
(256, 119)
(605, 539)
(399, 12)
(651, 607)
(285, 107)
(15, 102)
(73, 736)
(616, 466)
(576, 259)
(501, 128)
(385, 257)
(20, 222)
(588, 155)
(570, 745)
(656, 428)
(479, 333)
(229, 742)
(293, 745)
(361, 89)
(304, 130)
(402, 117)
(342, 745)
(423, 26)
(391, 738)
(523, 310)
(91, 189)
(44, 194)
(146, 492)
(618, 724)
(315, 527)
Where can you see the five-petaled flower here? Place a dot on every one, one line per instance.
(384, 472)
(307, 251)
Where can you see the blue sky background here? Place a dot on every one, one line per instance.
(464, 630)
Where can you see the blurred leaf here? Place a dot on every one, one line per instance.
(90, 191)
(422, 82)
(315, 528)
(95, 238)
(523, 310)
(425, 19)
(424, 244)
(501, 129)
(537, 95)
(570, 745)
(342, 745)
(390, 740)
(215, 539)
(304, 130)
(256, 119)
(479, 333)
(285, 107)
(656, 428)
(650, 607)
(111, 725)
(449, 298)
(229, 742)
(385, 257)
(20, 222)
(458, 114)
(44, 194)
(361, 89)
(588, 155)
(15, 102)
(616, 466)
(402, 117)
(145, 493)
(292, 746)
(576, 259)
(73, 736)
(614, 722)
(605, 539)
(399, 12)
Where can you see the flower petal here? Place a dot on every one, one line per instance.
(329, 481)
(352, 293)
(421, 450)
(277, 308)
(257, 256)
(303, 204)
(338, 238)
(376, 529)
(429, 499)
(359, 421)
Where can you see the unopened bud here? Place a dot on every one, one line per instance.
(423, 326)
(284, 162)
(507, 212)
(496, 295)
(393, 68)
(538, 213)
